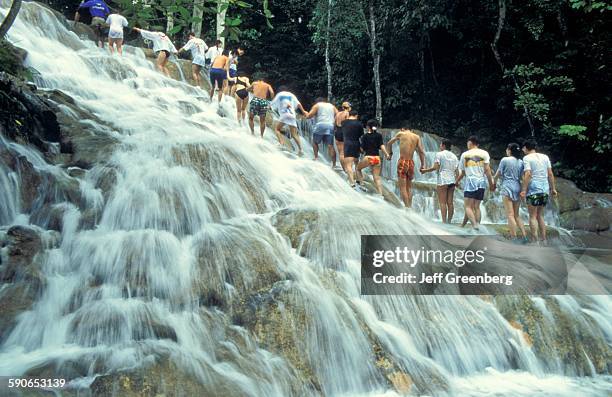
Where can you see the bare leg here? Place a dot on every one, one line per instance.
(111, 48)
(161, 63)
(541, 223)
(360, 166)
(279, 134)
(516, 205)
(239, 110)
(477, 210)
(405, 192)
(221, 90)
(377, 181)
(349, 162)
(470, 211)
(332, 154)
(510, 215)
(296, 137)
(195, 71)
(340, 147)
(442, 200)
(450, 203)
(120, 47)
(262, 124)
(315, 148)
(213, 84)
(251, 122)
(245, 104)
(533, 221)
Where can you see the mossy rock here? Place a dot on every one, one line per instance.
(11, 60)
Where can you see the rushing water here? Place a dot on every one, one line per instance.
(190, 232)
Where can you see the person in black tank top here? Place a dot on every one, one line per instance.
(352, 130)
(371, 144)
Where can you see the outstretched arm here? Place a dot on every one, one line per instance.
(435, 167)
(391, 142)
(487, 168)
(271, 91)
(384, 150)
(312, 112)
(552, 182)
(421, 151)
(526, 181)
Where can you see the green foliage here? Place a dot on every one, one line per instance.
(573, 131)
(154, 14)
(532, 83)
(590, 5)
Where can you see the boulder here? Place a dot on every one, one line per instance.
(21, 279)
(593, 219)
(569, 195)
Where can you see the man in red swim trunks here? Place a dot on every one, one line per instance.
(409, 142)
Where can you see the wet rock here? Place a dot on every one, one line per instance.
(293, 224)
(161, 378)
(504, 231)
(577, 345)
(26, 118)
(87, 138)
(11, 59)
(569, 195)
(21, 279)
(590, 219)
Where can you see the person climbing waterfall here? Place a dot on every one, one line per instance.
(286, 104)
(213, 51)
(409, 142)
(233, 69)
(445, 163)
(341, 116)
(241, 84)
(116, 24)
(474, 165)
(98, 10)
(510, 171)
(260, 102)
(218, 74)
(352, 131)
(198, 48)
(538, 182)
(325, 116)
(372, 144)
(162, 47)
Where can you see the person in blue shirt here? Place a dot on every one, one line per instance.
(511, 172)
(98, 11)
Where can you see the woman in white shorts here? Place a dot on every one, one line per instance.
(445, 163)
(116, 24)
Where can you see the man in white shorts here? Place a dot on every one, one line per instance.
(198, 49)
(445, 163)
(285, 104)
(116, 24)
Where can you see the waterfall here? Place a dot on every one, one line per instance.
(224, 266)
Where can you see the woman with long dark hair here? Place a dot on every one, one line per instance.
(510, 171)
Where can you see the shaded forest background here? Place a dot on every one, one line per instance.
(438, 66)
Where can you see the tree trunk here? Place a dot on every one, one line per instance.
(432, 61)
(10, 18)
(376, 59)
(328, 66)
(198, 14)
(500, 25)
(221, 11)
(169, 22)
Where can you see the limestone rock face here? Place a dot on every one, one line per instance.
(593, 219)
(21, 279)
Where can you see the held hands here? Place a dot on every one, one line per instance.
(523, 194)
(554, 192)
(493, 187)
(422, 170)
(388, 157)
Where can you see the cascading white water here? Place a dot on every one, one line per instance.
(186, 260)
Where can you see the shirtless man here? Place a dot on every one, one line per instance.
(260, 103)
(409, 142)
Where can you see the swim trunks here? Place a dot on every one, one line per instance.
(217, 75)
(351, 149)
(537, 199)
(405, 168)
(477, 194)
(259, 106)
(326, 139)
(373, 160)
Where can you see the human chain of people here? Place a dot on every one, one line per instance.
(524, 174)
